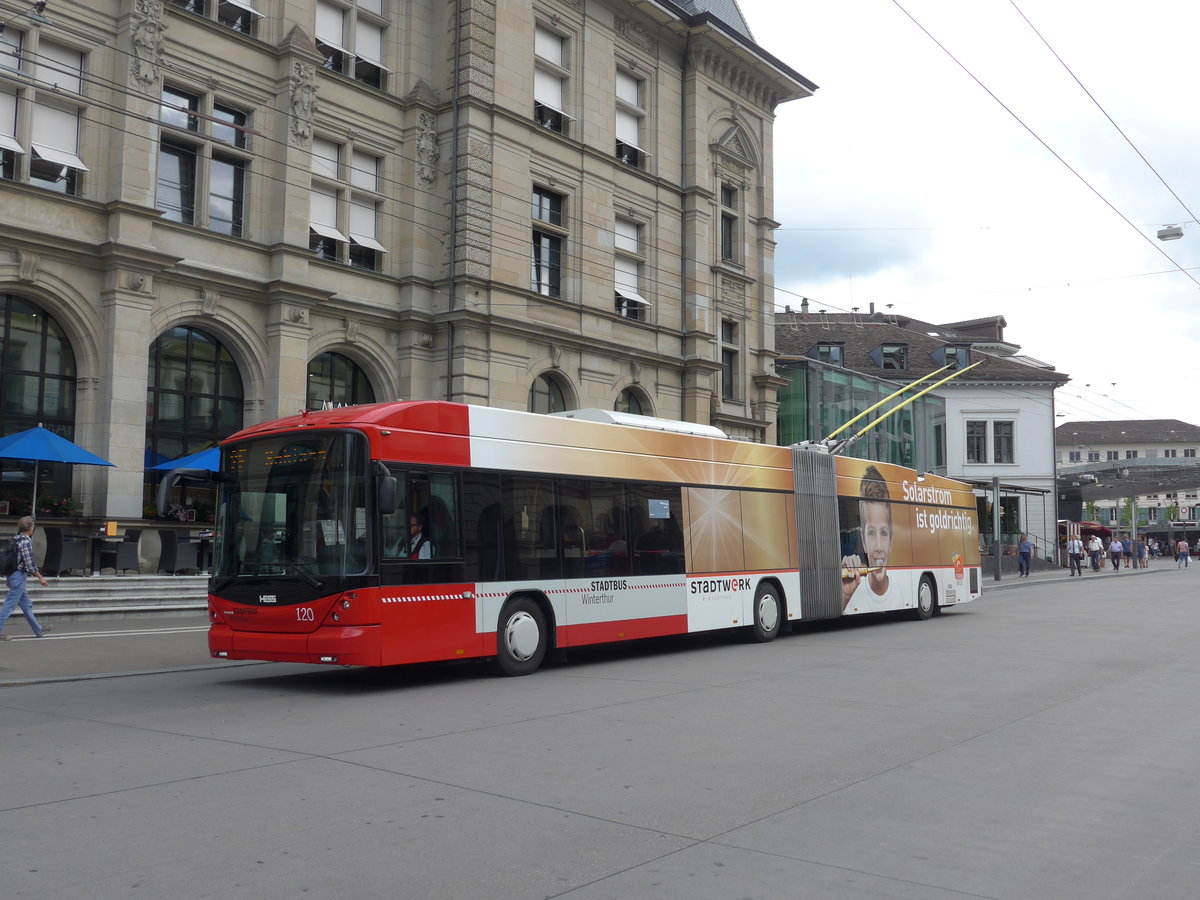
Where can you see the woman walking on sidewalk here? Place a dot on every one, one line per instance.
(18, 594)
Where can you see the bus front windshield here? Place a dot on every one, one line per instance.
(293, 505)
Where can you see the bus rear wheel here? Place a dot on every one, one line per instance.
(768, 614)
(926, 599)
(520, 637)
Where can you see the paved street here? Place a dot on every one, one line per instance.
(1042, 742)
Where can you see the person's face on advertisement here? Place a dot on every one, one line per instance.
(877, 541)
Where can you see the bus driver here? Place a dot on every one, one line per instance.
(875, 534)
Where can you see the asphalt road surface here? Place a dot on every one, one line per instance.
(1040, 743)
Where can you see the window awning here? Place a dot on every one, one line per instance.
(61, 157)
(328, 231)
(554, 109)
(7, 142)
(632, 296)
(367, 242)
(244, 4)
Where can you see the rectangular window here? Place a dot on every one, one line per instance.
(546, 263)
(547, 206)
(550, 80)
(1093, 456)
(627, 242)
(177, 183)
(1075, 456)
(977, 442)
(1131, 454)
(1170, 454)
(47, 133)
(939, 445)
(957, 357)
(226, 195)
(236, 15)
(546, 274)
(829, 353)
(1002, 442)
(729, 223)
(631, 113)
(893, 357)
(1111, 455)
(201, 177)
(1189, 454)
(351, 38)
(331, 35)
(729, 359)
(344, 205)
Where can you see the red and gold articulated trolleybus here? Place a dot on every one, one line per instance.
(409, 532)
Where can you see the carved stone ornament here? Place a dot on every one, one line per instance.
(635, 371)
(146, 29)
(351, 331)
(303, 102)
(27, 266)
(210, 300)
(555, 356)
(636, 35)
(428, 150)
(298, 315)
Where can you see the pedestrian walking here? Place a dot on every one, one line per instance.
(18, 594)
(1075, 556)
(1115, 550)
(1024, 555)
(1095, 551)
(1182, 553)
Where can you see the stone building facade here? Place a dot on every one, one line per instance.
(221, 211)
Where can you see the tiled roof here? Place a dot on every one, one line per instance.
(726, 10)
(796, 333)
(1131, 431)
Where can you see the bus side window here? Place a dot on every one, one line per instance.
(656, 533)
(394, 526)
(529, 528)
(441, 514)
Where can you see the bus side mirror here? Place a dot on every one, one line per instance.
(387, 496)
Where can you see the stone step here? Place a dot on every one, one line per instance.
(72, 599)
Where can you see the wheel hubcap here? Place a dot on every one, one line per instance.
(926, 597)
(521, 636)
(768, 612)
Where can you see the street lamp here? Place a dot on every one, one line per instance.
(1170, 233)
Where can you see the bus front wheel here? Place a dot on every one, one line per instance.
(520, 637)
(768, 614)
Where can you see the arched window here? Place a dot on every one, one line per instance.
(630, 401)
(37, 384)
(546, 395)
(193, 400)
(337, 380)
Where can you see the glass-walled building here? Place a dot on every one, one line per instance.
(820, 398)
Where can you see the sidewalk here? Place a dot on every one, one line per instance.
(1044, 575)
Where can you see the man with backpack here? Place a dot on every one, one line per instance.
(21, 545)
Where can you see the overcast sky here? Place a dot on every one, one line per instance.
(902, 181)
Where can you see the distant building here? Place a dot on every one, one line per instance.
(1153, 462)
(994, 421)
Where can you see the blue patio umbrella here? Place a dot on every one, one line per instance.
(39, 445)
(209, 460)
